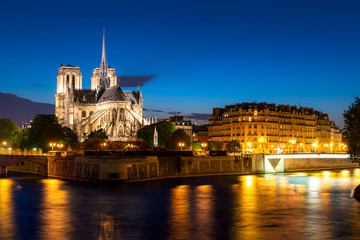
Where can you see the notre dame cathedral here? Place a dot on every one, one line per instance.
(105, 105)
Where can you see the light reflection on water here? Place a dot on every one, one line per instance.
(7, 229)
(55, 214)
(304, 205)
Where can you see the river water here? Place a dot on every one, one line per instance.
(312, 205)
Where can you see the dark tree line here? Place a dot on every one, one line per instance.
(44, 129)
(352, 129)
(168, 136)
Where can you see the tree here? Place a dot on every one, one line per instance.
(21, 139)
(216, 146)
(93, 143)
(100, 133)
(44, 129)
(38, 125)
(7, 129)
(352, 129)
(52, 133)
(233, 146)
(165, 129)
(69, 135)
(179, 136)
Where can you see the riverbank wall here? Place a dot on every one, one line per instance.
(144, 168)
(132, 169)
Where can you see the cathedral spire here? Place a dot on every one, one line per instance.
(104, 79)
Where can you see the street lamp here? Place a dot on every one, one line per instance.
(4, 143)
(52, 145)
(181, 145)
(314, 146)
(60, 145)
(292, 141)
(203, 145)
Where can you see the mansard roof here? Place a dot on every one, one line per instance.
(113, 94)
(84, 96)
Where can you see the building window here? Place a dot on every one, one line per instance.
(121, 114)
(73, 82)
(67, 81)
(83, 114)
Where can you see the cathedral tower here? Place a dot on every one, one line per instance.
(104, 76)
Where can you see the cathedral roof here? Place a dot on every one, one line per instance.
(134, 96)
(113, 94)
(84, 96)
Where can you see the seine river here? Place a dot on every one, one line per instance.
(313, 205)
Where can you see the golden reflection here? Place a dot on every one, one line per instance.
(357, 173)
(107, 230)
(245, 216)
(326, 174)
(55, 214)
(301, 174)
(204, 212)
(344, 178)
(180, 213)
(318, 201)
(283, 185)
(249, 180)
(6, 210)
(345, 173)
(314, 185)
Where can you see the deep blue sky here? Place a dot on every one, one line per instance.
(203, 54)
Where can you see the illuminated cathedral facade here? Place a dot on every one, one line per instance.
(119, 113)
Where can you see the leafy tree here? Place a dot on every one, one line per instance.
(52, 133)
(196, 146)
(7, 129)
(38, 125)
(233, 146)
(44, 129)
(165, 129)
(93, 143)
(100, 133)
(69, 135)
(216, 146)
(21, 139)
(177, 137)
(352, 129)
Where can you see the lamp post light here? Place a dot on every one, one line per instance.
(4, 143)
(103, 146)
(52, 145)
(181, 145)
(292, 141)
(60, 145)
(204, 145)
(314, 146)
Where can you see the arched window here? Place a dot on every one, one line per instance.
(73, 82)
(67, 81)
(121, 114)
(83, 114)
(120, 130)
(91, 113)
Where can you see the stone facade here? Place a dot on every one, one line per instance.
(270, 128)
(105, 105)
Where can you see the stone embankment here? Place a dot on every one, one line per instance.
(143, 168)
